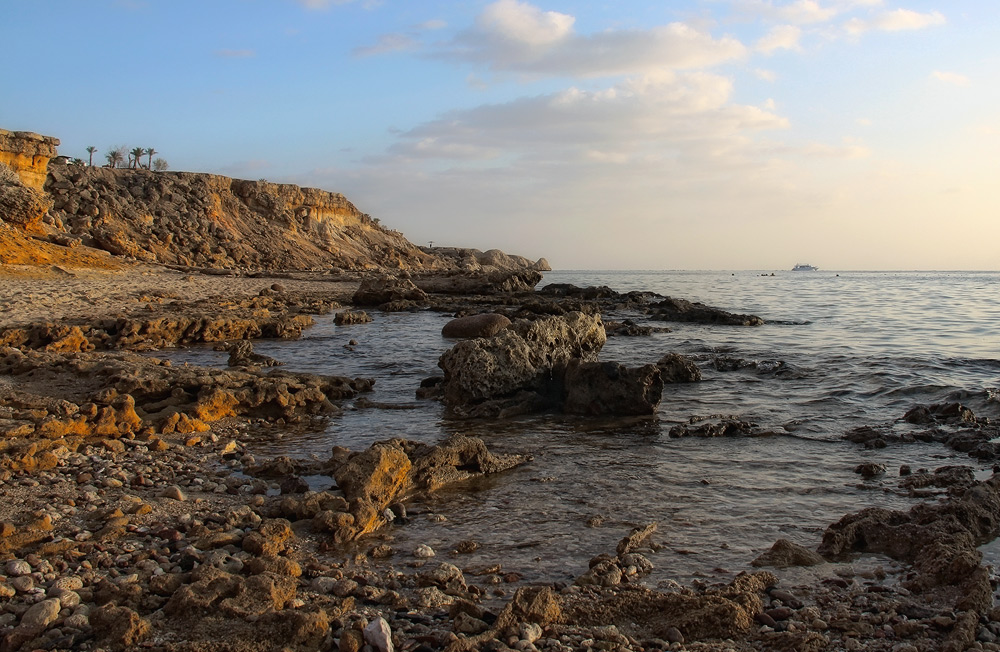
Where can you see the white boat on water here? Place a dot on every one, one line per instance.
(802, 267)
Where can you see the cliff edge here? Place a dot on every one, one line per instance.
(201, 220)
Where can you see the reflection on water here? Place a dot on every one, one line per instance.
(838, 352)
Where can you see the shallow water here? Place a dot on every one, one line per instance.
(838, 351)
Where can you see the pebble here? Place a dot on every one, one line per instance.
(42, 614)
(174, 492)
(423, 551)
(378, 635)
(18, 568)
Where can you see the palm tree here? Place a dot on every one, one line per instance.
(114, 157)
(149, 152)
(90, 150)
(137, 153)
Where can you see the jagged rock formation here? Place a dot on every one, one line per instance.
(207, 220)
(28, 154)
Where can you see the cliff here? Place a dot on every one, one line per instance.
(28, 155)
(198, 220)
(207, 220)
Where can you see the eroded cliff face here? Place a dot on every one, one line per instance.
(28, 154)
(197, 220)
(214, 221)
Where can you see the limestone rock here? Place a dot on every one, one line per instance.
(483, 325)
(383, 289)
(523, 356)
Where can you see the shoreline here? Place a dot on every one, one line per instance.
(134, 535)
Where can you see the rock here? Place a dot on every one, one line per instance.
(380, 290)
(784, 554)
(682, 310)
(18, 567)
(41, 615)
(869, 470)
(675, 368)
(348, 317)
(635, 538)
(609, 388)
(526, 355)
(119, 626)
(483, 325)
(378, 635)
(423, 551)
(174, 492)
(241, 354)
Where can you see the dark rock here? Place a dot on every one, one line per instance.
(869, 470)
(682, 310)
(675, 368)
(347, 317)
(608, 388)
(785, 554)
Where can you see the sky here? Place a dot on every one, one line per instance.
(692, 134)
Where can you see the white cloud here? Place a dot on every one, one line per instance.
(765, 75)
(516, 36)
(894, 21)
(781, 37)
(321, 4)
(864, 122)
(953, 78)
(388, 43)
(633, 119)
(800, 12)
(523, 23)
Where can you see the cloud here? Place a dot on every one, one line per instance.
(953, 78)
(781, 37)
(765, 75)
(321, 4)
(515, 36)
(430, 25)
(235, 54)
(801, 12)
(894, 21)
(387, 43)
(633, 120)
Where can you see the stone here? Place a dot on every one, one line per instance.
(482, 325)
(378, 635)
(119, 626)
(785, 554)
(349, 317)
(379, 290)
(527, 355)
(675, 368)
(609, 388)
(174, 492)
(41, 615)
(18, 567)
(682, 310)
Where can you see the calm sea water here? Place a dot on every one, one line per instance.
(839, 350)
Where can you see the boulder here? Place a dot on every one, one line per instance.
(384, 289)
(609, 388)
(784, 554)
(21, 205)
(682, 310)
(483, 325)
(675, 368)
(528, 355)
(348, 317)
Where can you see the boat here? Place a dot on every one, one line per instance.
(802, 267)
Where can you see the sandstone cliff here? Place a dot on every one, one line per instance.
(201, 220)
(28, 154)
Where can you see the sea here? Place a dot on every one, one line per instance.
(838, 350)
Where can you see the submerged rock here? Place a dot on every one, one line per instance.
(483, 325)
(682, 310)
(609, 388)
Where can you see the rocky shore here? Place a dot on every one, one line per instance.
(139, 510)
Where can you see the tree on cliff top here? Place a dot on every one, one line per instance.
(135, 157)
(90, 150)
(160, 165)
(149, 152)
(115, 156)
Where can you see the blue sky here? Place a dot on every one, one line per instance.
(697, 134)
